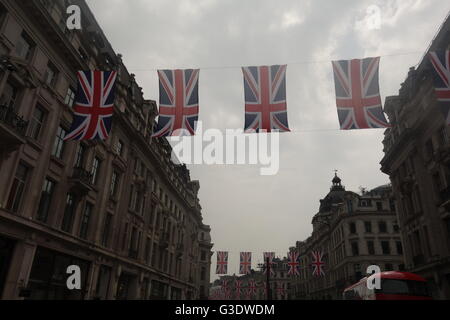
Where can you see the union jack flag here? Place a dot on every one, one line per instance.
(226, 294)
(94, 105)
(358, 97)
(318, 263)
(270, 256)
(222, 262)
(294, 263)
(280, 289)
(252, 288)
(178, 102)
(245, 263)
(238, 286)
(265, 98)
(441, 63)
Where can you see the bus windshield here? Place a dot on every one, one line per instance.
(403, 287)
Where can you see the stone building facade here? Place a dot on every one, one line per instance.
(119, 209)
(417, 159)
(352, 231)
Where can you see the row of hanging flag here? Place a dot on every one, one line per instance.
(293, 263)
(358, 98)
(249, 290)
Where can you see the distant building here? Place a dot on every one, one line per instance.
(352, 231)
(417, 159)
(120, 209)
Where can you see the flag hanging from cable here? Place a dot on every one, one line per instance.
(358, 97)
(270, 256)
(293, 263)
(222, 262)
(317, 263)
(245, 263)
(265, 98)
(178, 102)
(440, 61)
(93, 106)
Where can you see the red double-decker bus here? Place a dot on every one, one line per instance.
(394, 286)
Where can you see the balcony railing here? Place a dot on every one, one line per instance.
(9, 117)
(82, 175)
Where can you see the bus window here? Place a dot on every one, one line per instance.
(403, 287)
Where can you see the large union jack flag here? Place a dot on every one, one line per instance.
(358, 94)
(178, 102)
(245, 263)
(441, 64)
(317, 263)
(94, 105)
(270, 256)
(293, 263)
(265, 98)
(222, 262)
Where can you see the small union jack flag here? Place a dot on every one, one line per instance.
(245, 264)
(280, 289)
(317, 263)
(441, 64)
(358, 94)
(222, 262)
(265, 98)
(94, 105)
(293, 263)
(178, 102)
(252, 288)
(270, 256)
(238, 286)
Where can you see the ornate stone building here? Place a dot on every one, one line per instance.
(417, 159)
(352, 231)
(120, 209)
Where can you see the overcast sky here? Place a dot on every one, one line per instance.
(246, 211)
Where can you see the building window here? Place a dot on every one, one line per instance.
(95, 170)
(125, 237)
(385, 247)
(203, 256)
(388, 267)
(9, 95)
(399, 247)
(370, 247)
(17, 188)
(382, 227)
(70, 97)
(352, 228)
(46, 199)
(69, 213)
(106, 229)
(203, 274)
(392, 205)
(355, 249)
(37, 122)
(58, 146)
(24, 46)
(368, 226)
(379, 206)
(133, 198)
(85, 219)
(51, 75)
(114, 184)
(79, 161)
